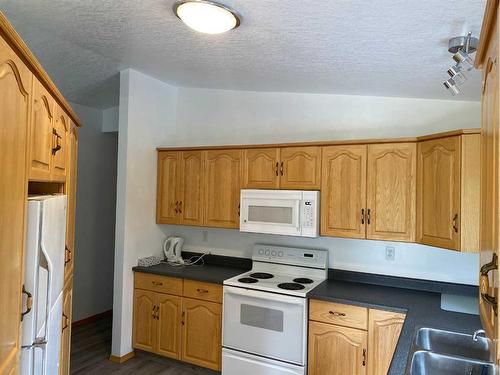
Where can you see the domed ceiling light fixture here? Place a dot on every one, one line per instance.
(206, 16)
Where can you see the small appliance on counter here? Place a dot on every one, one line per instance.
(172, 248)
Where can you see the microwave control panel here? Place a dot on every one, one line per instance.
(308, 215)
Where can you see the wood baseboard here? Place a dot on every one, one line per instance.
(92, 318)
(123, 358)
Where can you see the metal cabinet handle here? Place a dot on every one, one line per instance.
(157, 283)
(455, 227)
(180, 207)
(368, 216)
(276, 168)
(364, 357)
(238, 209)
(176, 207)
(65, 322)
(281, 168)
(202, 290)
(484, 283)
(57, 147)
(67, 257)
(362, 216)
(29, 302)
(183, 315)
(335, 313)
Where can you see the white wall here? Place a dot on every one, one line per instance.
(212, 117)
(146, 120)
(110, 118)
(95, 215)
(153, 113)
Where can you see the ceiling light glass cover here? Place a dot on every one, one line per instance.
(206, 16)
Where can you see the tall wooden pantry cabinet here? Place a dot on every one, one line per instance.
(38, 155)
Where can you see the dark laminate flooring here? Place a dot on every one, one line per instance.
(90, 350)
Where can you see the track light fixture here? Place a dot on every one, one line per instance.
(461, 47)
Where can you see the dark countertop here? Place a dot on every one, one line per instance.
(211, 273)
(423, 309)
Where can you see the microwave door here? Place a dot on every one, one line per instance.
(273, 216)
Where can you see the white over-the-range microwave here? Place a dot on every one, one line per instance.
(286, 212)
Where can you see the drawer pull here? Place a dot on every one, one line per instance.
(201, 290)
(157, 283)
(335, 313)
(364, 357)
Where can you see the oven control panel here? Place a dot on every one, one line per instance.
(315, 258)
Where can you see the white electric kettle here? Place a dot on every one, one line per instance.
(172, 248)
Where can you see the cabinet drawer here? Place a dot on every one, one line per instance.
(156, 283)
(205, 291)
(336, 313)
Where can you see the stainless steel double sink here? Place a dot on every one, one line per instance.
(437, 352)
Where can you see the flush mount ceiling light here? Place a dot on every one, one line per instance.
(206, 16)
(460, 47)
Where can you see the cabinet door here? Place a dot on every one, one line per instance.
(343, 191)
(167, 201)
(66, 329)
(335, 350)
(168, 335)
(300, 168)
(201, 333)
(41, 137)
(384, 328)
(222, 188)
(490, 187)
(391, 192)
(438, 199)
(261, 168)
(15, 97)
(71, 193)
(191, 188)
(60, 148)
(144, 335)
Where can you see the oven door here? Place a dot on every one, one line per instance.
(270, 212)
(267, 324)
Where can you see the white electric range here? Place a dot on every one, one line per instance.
(265, 311)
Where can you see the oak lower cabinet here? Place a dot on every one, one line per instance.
(66, 328)
(449, 192)
(368, 191)
(346, 339)
(185, 325)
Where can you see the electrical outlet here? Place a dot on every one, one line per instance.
(390, 253)
(205, 235)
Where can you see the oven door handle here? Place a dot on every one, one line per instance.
(293, 300)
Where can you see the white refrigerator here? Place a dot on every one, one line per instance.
(43, 285)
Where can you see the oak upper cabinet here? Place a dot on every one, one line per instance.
(71, 193)
(60, 145)
(300, 168)
(222, 188)
(336, 350)
(144, 332)
(201, 325)
(190, 189)
(167, 202)
(66, 329)
(391, 192)
(15, 98)
(261, 168)
(168, 314)
(384, 328)
(41, 133)
(448, 192)
(343, 191)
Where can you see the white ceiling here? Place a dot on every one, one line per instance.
(382, 47)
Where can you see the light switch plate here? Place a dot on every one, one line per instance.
(390, 253)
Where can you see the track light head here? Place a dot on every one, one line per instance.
(451, 86)
(455, 72)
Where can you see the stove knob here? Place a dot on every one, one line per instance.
(280, 253)
(273, 253)
(267, 252)
(261, 252)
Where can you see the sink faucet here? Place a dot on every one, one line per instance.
(477, 333)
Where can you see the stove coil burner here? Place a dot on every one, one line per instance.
(291, 286)
(248, 280)
(261, 275)
(303, 280)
